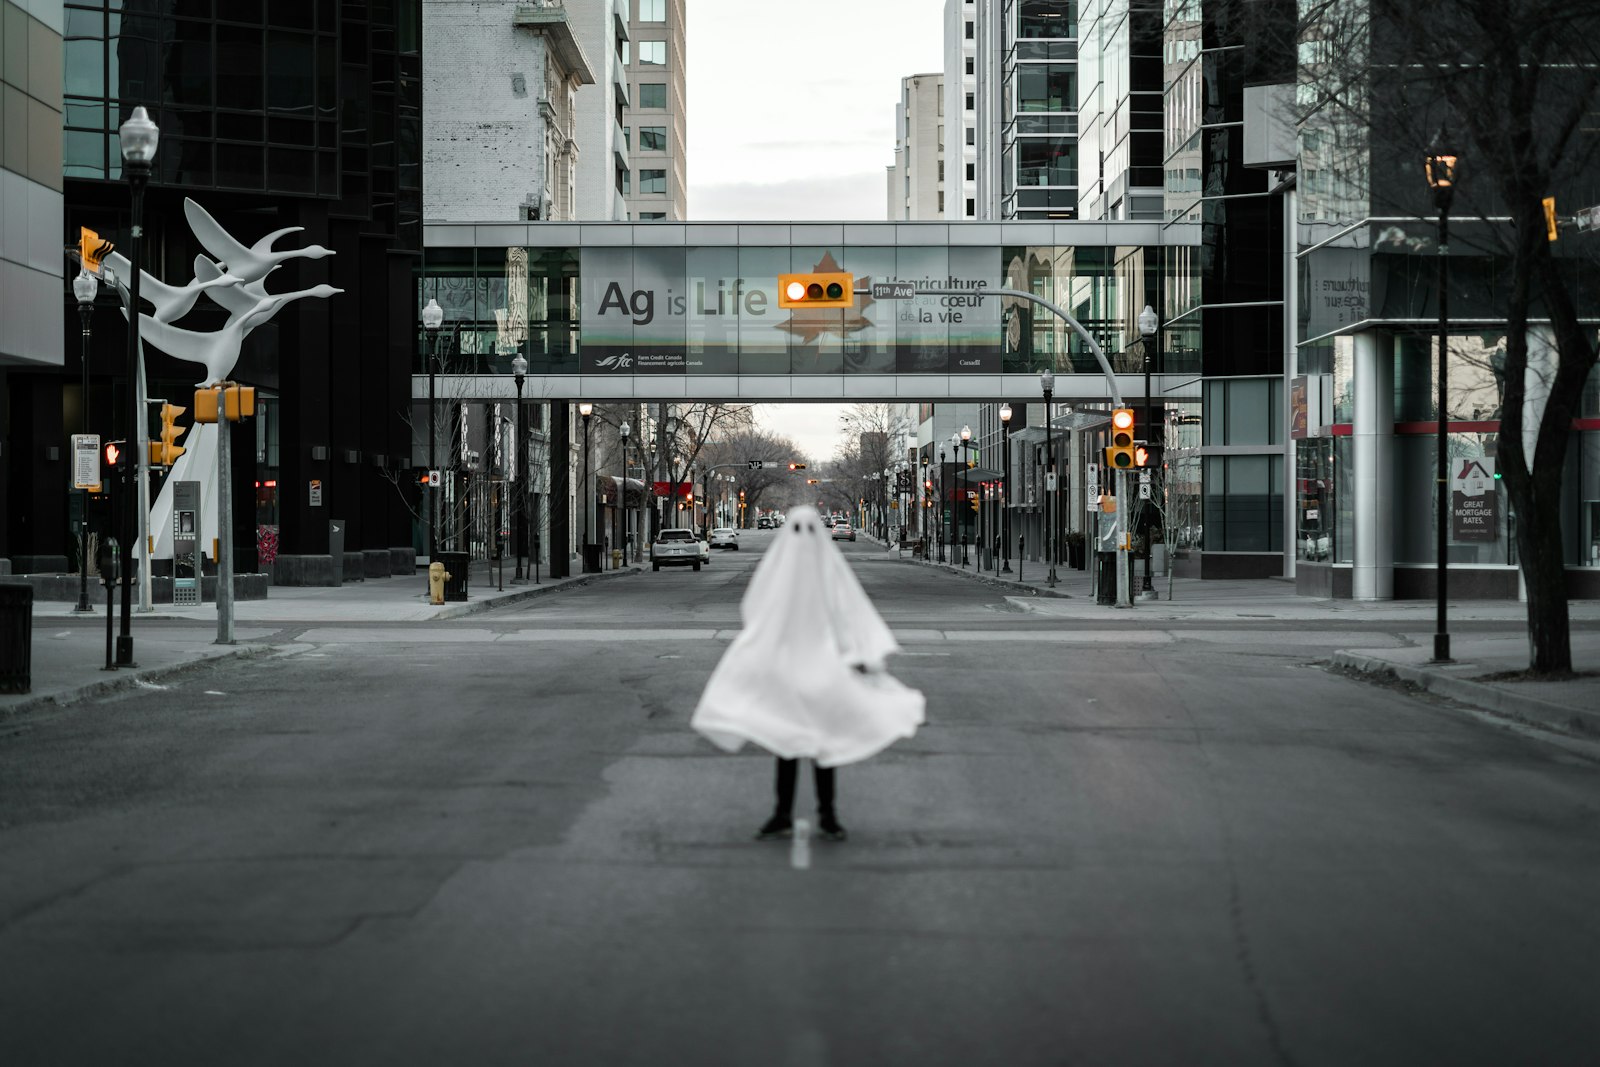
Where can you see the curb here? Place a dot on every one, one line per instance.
(131, 680)
(1484, 697)
(476, 607)
(1016, 588)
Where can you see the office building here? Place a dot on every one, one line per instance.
(655, 119)
(916, 181)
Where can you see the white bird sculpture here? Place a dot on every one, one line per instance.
(171, 302)
(248, 264)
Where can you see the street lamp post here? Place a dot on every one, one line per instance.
(586, 409)
(1149, 322)
(84, 287)
(432, 319)
(622, 489)
(1440, 166)
(940, 517)
(519, 371)
(139, 138)
(966, 482)
(923, 487)
(1047, 382)
(1005, 486)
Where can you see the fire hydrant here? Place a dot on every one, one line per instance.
(437, 576)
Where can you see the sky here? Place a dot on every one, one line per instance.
(791, 117)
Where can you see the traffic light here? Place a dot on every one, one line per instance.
(1120, 455)
(797, 466)
(812, 481)
(92, 249)
(826, 289)
(1549, 203)
(238, 402)
(165, 452)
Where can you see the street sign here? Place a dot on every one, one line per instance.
(314, 488)
(1144, 485)
(433, 479)
(893, 290)
(86, 461)
(754, 464)
(1586, 218)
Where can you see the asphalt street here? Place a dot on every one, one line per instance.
(495, 840)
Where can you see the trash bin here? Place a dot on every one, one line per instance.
(591, 558)
(16, 637)
(456, 565)
(1106, 578)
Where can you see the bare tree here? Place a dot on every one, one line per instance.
(767, 485)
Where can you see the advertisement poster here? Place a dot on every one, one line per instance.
(1474, 501)
(715, 310)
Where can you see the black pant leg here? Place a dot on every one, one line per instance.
(823, 778)
(787, 772)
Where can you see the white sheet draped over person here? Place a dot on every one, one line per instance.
(805, 677)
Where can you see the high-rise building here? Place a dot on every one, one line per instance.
(500, 90)
(272, 116)
(1118, 73)
(655, 120)
(972, 33)
(600, 111)
(30, 183)
(916, 181)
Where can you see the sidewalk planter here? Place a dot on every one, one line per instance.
(1075, 551)
(16, 637)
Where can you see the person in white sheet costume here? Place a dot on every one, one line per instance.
(805, 678)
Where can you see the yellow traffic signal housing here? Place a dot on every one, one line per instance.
(824, 289)
(1121, 454)
(797, 466)
(92, 249)
(1549, 203)
(168, 448)
(239, 402)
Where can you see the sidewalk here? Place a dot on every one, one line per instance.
(1571, 706)
(69, 650)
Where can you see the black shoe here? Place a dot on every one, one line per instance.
(828, 828)
(776, 828)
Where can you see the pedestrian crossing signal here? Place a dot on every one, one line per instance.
(824, 289)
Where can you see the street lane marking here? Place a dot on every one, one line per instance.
(800, 847)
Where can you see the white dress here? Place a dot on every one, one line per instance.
(806, 675)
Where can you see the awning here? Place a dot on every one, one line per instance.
(1072, 420)
(974, 475)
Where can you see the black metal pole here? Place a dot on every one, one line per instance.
(588, 510)
(1005, 491)
(1149, 424)
(138, 175)
(519, 458)
(940, 518)
(1441, 637)
(1049, 494)
(433, 436)
(85, 313)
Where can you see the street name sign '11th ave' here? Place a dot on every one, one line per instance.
(893, 290)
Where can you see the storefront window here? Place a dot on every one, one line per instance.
(1314, 501)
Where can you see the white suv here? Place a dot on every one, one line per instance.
(725, 537)
(673, 548)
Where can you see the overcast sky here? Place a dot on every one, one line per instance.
(791, 116)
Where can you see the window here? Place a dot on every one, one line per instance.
(652, 94)
(971, 101)
(622, 181)
(652, 138)
(972, 207)
(941, 202)
(970, 69)
(627, 138)
(969, 31)
(652, 181)
(972, 172)
(649, 216)
(1047, 18)
(652, 53)
(652, 10)
(941, 170)
(622, 52)
(972, 135)
(1047, 87)
(941, 135)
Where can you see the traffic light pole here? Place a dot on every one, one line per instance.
(224, 522)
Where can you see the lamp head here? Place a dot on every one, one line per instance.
(1005, 414)
(139, 137)
(585, 408)
(1148, 321)
(84, 287)
(432, 315)
(1440, 164)
(624, 430)
(519, 366)
(1047, 381)
(966, 433)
